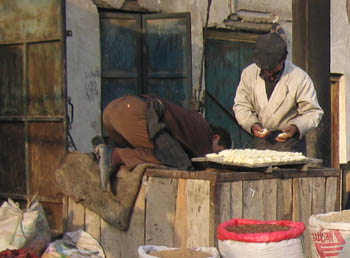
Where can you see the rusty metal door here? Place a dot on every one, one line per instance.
(32, 106)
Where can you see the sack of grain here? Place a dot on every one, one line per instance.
(329, 234)
(255, 238)
(153, 251)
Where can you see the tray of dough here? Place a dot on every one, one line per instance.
(252, 158)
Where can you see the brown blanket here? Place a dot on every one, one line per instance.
(78, 177)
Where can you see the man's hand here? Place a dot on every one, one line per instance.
(287, 133)
(258, 131)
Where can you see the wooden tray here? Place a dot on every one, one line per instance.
(264, 167)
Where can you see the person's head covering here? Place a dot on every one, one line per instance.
(269, 51)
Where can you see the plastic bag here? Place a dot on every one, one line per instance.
(23, 229)
(286, 243)
(144, 251)
(75, 244)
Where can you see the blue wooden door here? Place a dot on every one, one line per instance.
(227, 54)
(167, 56)
(121, 54)
(146, 53)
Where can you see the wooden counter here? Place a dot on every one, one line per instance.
(183, 209)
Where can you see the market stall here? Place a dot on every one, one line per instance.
(178, 208)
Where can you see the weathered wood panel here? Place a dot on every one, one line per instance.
(237, 199)
(93, 224)
(332, 194)
(198, 213)
(181, 224)
(223, 202)
(160, 211)
(76, 216)
(253, 202)
(285, 199)
(120, 244)
(135, 236)
(270, 199)
(11, 79)
(345, 195)
(302, 201)
(39, 20)
(46, 80)
(12, 156)
(45, 150)
(318, 195)
(53, 212)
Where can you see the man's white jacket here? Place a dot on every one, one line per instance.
(293, 101)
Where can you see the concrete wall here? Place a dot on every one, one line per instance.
(340, 63)
(83, 71)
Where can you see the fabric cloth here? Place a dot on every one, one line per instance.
(166, 148)
(125, 120)
(293, 101)
(78, 177)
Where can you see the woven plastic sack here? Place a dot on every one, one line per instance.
(76, 244)
(330, 234)
(144, 251)
(275, 244)
(23, 229)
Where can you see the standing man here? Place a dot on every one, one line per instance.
(148, 129)
(275, 100)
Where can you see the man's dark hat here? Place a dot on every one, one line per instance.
(269, 51)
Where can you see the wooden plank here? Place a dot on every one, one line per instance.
(225, 175)
(53, 213)
(76, 216)
(93, 224)
(65, 213)
(302, 202)
(253, 203)
(270, 199)
(331, 194)
(111, 240)
(160, 211)
(121, 244)
(135, 236)
(223, 202)
(198, 213)
(284, 199)
(345, 202)
(318, 195)
(237, 200)
(181, 223)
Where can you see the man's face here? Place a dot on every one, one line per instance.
(272, 74)
(216, 147)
